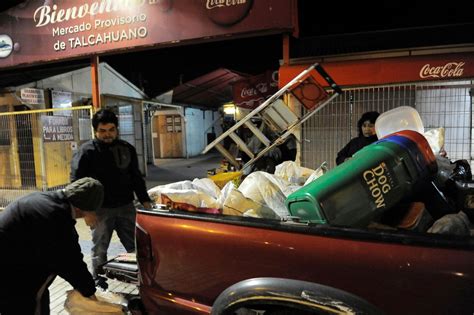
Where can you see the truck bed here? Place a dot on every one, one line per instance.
(187, 260)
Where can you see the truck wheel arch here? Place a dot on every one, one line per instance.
(300, 296)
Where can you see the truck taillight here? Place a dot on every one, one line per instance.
(144, 249)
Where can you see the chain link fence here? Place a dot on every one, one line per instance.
(36, 148)
(440, 104)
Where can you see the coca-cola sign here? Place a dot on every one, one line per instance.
(448, 70)
(253, 91)
(414, 68)
(227, 12)
(258, 89)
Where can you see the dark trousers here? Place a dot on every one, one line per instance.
(20, 294)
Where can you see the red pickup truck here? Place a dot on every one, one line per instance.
(340, 251)
(194, 263)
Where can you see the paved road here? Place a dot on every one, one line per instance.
(164, 172)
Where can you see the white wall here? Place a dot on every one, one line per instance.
(198, 124)
(112, 82)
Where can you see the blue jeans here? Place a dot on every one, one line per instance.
(120, 219)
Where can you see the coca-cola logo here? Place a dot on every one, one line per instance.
(250, 91)
(451, 69)
(227, 12)
(260, 88)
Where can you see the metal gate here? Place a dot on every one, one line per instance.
(36, 148)
(440, 104)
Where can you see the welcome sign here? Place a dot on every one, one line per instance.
(45, 30)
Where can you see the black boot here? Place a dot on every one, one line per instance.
(101, 283)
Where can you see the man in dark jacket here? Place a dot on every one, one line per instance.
(38, 241)
(114, 163)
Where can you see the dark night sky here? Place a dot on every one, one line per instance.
(331, 17)
(159, 70)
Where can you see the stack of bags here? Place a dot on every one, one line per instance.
(259, 195)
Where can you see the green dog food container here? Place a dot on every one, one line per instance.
(360, 189)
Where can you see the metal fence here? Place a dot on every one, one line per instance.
(36, 148)
(445, 104)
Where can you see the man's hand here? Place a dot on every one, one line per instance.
(147, 205)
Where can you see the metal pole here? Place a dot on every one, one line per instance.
(95, 82)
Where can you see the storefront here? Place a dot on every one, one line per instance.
(437, 82)
(39, 33)
(42, 123)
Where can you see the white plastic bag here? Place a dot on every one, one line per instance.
(435, 138)
(191, 197)
(204, 185)
(200, 193)
(320, 171)
(207, 185)
(268, 190)
(293, 173)
(237, 204)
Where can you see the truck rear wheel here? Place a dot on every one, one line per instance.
(272, 310)
(278, 296)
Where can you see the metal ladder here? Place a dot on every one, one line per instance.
(277, 115)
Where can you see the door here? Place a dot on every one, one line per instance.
(167, 136)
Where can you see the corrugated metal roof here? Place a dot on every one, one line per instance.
(210, 90)
(16, 77)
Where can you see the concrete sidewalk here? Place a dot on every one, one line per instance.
(164, 172)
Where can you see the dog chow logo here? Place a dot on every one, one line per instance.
(379, 183)
(227, 12)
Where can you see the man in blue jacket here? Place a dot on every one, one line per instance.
(38, 241)
(114, 163)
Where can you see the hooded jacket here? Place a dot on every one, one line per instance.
(38, 239)
(353, 146)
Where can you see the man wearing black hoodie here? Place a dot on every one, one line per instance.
(38, 241)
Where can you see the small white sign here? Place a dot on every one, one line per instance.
(57, 128)
(32, 96)
(62, 99)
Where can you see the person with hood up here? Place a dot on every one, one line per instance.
(366, 128)
(38, 241)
